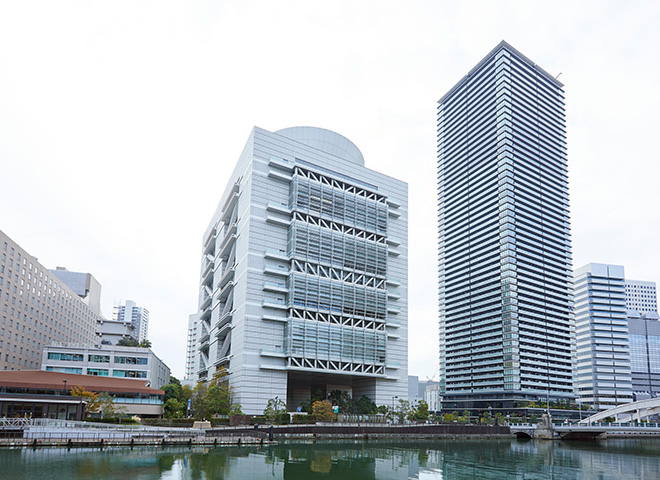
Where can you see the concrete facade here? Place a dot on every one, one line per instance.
(111, 331)
(37, 309)
(303, 281)
(107, 361)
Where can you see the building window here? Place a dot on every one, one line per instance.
(129, 374)
(67, 357)
(99, 358)
(131, 360)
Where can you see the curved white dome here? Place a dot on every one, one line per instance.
(325, 140)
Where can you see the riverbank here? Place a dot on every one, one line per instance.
(163, 442)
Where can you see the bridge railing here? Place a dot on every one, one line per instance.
(609, 425)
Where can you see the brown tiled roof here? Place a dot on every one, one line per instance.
(40, 379)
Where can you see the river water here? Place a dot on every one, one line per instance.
(428, 460)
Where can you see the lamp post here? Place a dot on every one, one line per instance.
(394, 397)
(64, 381)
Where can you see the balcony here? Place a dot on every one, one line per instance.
(223, 330)
(393, 282)
(283, 222)
(393, 310)
(281, 163)
(225, 319)
(393, 242)
(275, 287)
(209, 242)
(393, 214)
(225, 247)
(276, 255)
(230, 203)
(280, 270)
(276, 207)
(206, 298)
(274, 303)
(278, 352)
(392, 203)
(281, 176)
(393, 252)
(393, 295)
(393, 323)
(227, 276)
(222, 361)
(224, 292)
(275, 318)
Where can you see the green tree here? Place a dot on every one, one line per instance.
(322, 411)
(171, 391)
(306, 406)
(198, 402)
(274, 407)
(128, 342)
(450, 417)
(341, 399)
(421, 412)
(366, 406)
(403, 411)
(499, 418)
(174, 408)
(216, 398)
(145, 343)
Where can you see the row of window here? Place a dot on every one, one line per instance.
(322, 294)
(327, 341)
(338, 205)
(79, 357)
(321, 245)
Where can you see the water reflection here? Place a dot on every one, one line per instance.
(429, 460)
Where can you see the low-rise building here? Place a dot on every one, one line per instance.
(44, 394)
(107, 361)
(112, 331)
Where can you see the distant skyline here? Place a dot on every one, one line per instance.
(120, 124)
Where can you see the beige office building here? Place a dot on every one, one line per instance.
(37, 309)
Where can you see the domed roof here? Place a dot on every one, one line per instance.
(325, 140)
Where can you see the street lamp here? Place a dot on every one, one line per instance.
(395, 396)
(64, 381)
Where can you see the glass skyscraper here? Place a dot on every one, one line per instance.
(505, 274)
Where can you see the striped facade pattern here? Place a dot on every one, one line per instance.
(505, 279)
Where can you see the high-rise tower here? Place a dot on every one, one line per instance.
(138, 316)
(303, 281)
(505, 276)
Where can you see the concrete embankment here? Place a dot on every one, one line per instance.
(351, 431)
(163, 442)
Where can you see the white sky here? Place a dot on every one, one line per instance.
(120, 122)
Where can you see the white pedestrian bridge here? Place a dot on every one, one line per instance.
(586, 430)
(628, 412)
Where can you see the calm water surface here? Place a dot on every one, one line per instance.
(429, 460)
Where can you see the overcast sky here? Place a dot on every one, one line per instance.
(120, 122)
